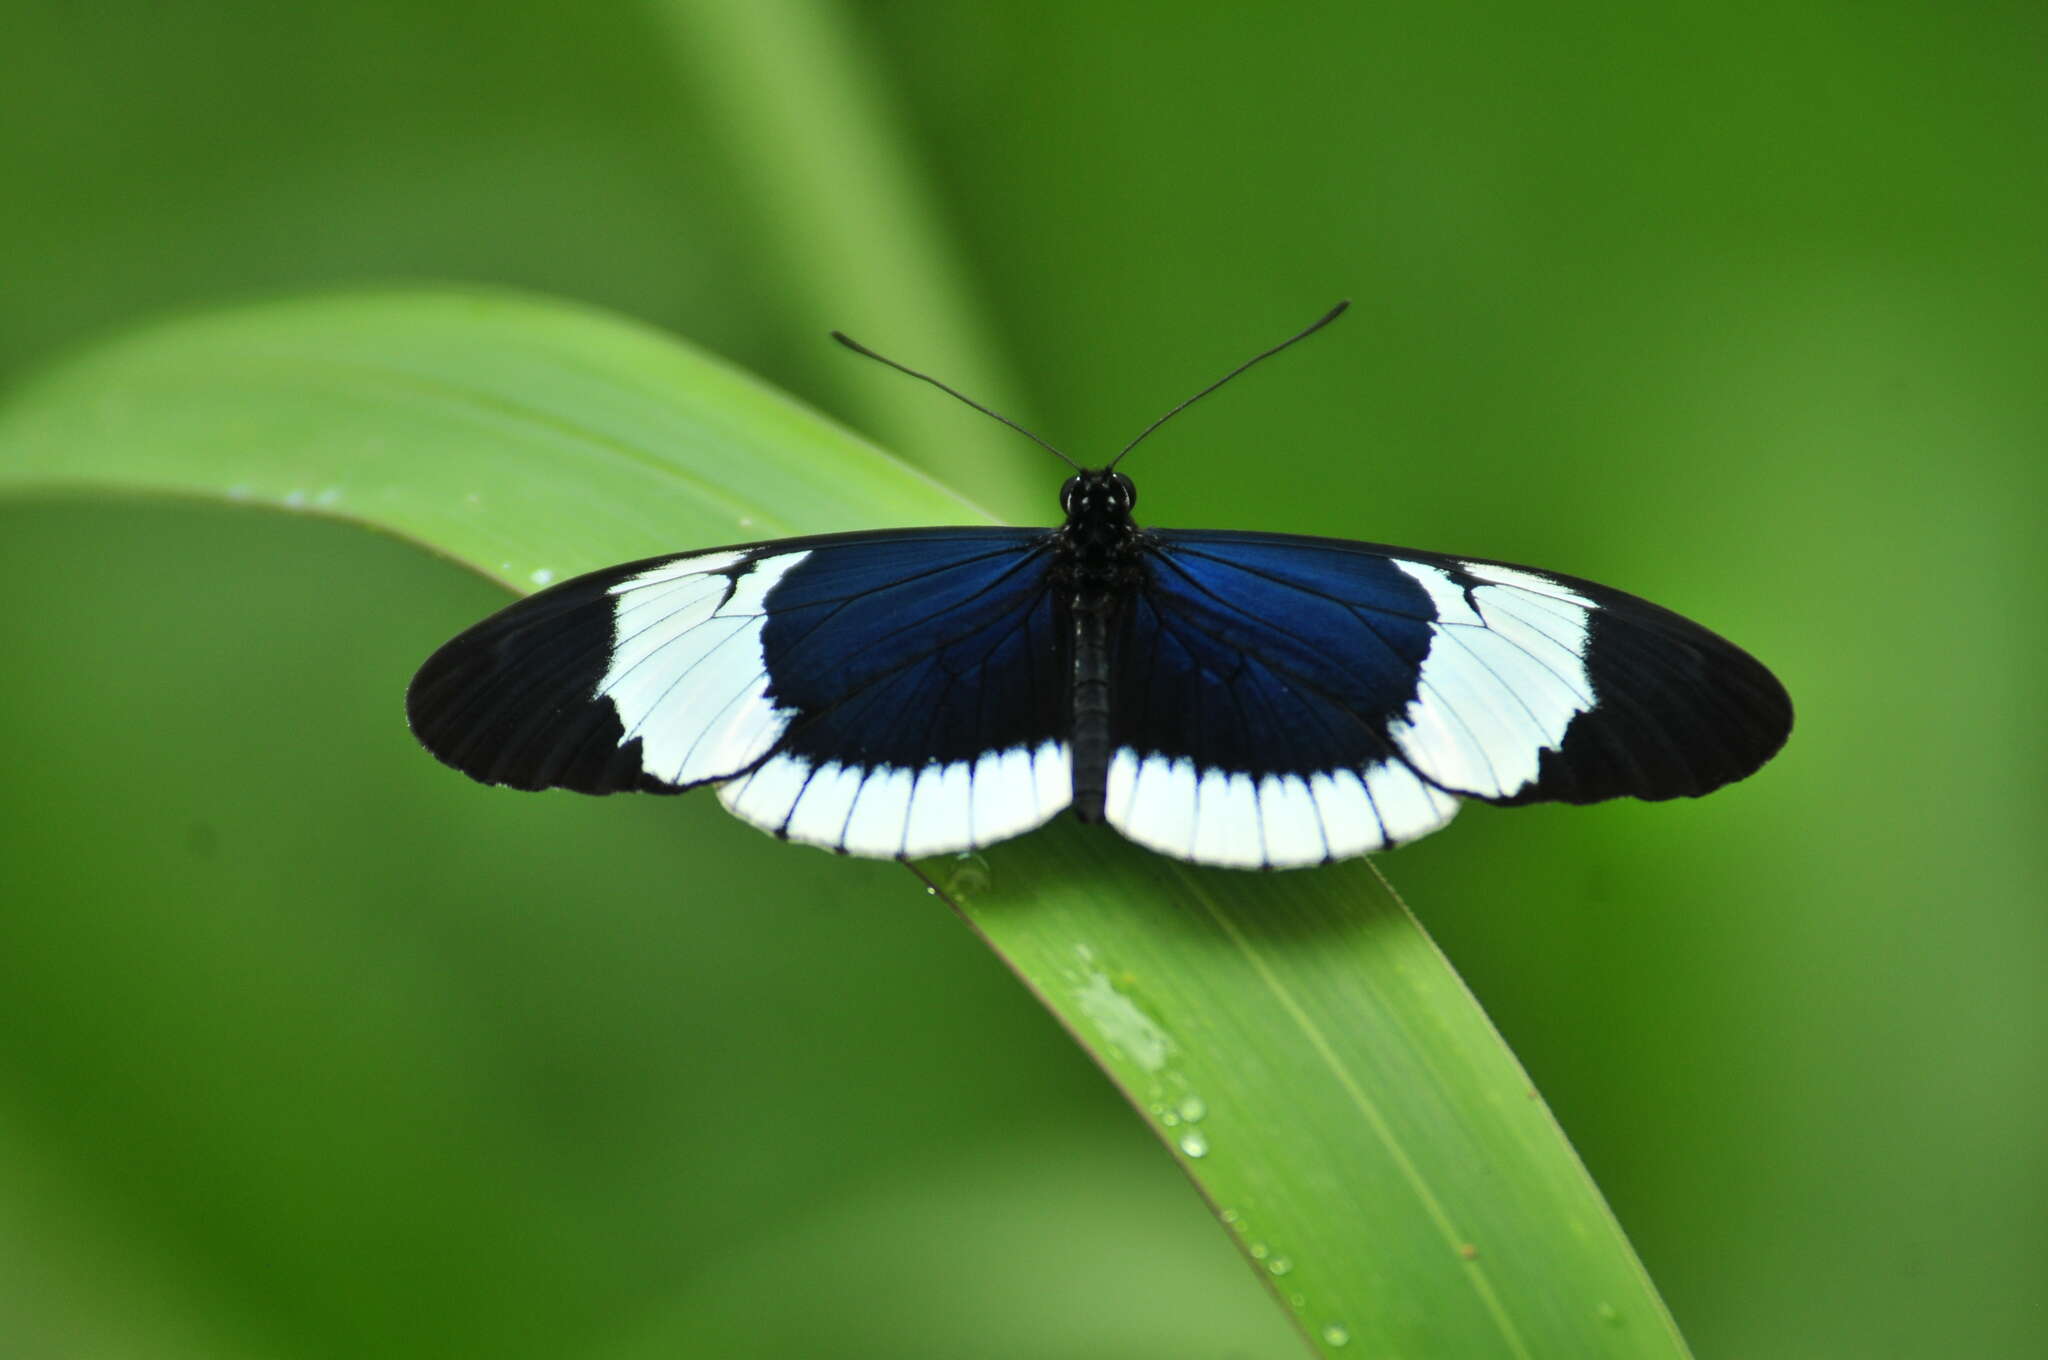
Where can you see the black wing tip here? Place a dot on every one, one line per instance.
(1716, 717)
(490, 704)
(1740, 721)
(575, 753)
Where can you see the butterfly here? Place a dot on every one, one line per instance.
(1225, 697)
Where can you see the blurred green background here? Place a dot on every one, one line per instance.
(308, 1048)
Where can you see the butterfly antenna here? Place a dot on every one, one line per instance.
(1324, 320)
(858, 348)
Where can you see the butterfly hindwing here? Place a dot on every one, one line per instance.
(895, 692)
(1284, 700)
(928, 677)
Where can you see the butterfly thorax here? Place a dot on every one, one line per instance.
(1097, 560)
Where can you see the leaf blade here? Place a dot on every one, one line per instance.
(481, 424)
(1315, 1026)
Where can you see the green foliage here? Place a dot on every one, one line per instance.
(311, 1048)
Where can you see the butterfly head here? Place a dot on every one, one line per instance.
(1098, 496)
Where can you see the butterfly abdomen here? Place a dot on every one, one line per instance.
(1090, 729)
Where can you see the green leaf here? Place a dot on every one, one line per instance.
(529, 440)
(1294, 1039)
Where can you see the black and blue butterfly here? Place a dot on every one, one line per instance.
(1251, 700)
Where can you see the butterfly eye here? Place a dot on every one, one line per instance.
(1127, 490)
(1069, 490)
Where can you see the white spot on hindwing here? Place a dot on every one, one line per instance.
(768, 797)
(1407, 807)
(1004, 796)
(1152, 801)
(820, 812)
(1350, 826)
(1288, 821)
(1227, 829)
(887, 811)
(881, 813)
(941, 811)
(1281, 821)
